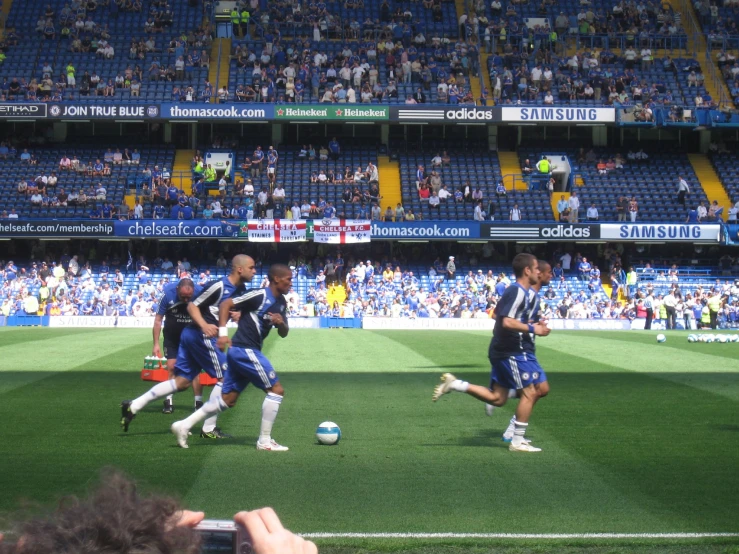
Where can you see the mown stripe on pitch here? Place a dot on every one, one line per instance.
(30, 362)
(326, 352)
(518, 535)
(638, 356)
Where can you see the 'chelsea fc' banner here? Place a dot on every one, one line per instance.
(342, 231)
(274, 230)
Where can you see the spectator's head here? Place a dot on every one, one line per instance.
(114, 515)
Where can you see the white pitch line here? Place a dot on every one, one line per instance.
(518, 535)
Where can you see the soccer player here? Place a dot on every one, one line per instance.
(542, 385)
(261, 310)
(513, 367)
(172, 311)
(198, 346)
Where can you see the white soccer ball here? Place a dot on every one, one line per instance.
(709, 338)
(661, 338)
(692, 338)
(702, 338)
(722, 338)
(328, 433)
(734, 338)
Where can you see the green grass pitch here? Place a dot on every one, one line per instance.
(637, 437)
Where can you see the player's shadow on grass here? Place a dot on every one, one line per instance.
(451, 366)
(487, 438)
(144, 433)
(196, 442)
(726, 427)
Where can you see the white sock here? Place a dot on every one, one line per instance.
(459, 385)
(512, 393)
(518, 433)
(270, 407)
(210, 423)
(169, 398)
(157, 391)
(511, 426)
(198, 398)
(213, 407)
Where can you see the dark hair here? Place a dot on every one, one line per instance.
(521, 262)
(279, 270)
(114, 519)
(543, 264)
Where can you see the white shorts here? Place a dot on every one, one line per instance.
(270, 170)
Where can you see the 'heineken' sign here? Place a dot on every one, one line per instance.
(333, 113)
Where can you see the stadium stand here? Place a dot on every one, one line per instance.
(117, 290)
(476, 170)
(727, 167)
(303, 180)
(614, 81)
(653, 181)
(79, 178)
(146, 43)
(426, 53)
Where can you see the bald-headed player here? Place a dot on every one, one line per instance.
(198, 350)
(261, 310)
(172, 312)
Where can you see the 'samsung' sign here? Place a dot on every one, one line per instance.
(559, 115)
(647, 231)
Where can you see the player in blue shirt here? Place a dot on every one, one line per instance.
(541, 384)
(511, 353)
(197, 349)
(260, 311)
(172, 311)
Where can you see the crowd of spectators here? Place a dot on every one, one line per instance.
(240, 198)
(81, 27)
(281, 72)
(384, 287)
(602, 77)
(68, 285)
(41, 189)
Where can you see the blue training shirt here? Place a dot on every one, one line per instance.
(529, 339)
(255, 324)
(515, 303)
(211, 296)
(174, 310)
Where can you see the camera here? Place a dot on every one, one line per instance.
(220, 535)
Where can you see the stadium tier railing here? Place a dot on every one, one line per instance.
(677, 43)
(717, 79)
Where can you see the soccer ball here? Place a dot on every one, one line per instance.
(328, 433)
(692, 338)
(734, 338)
(661, 338)
(702, 338)
(722, 338)
(709, 338)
